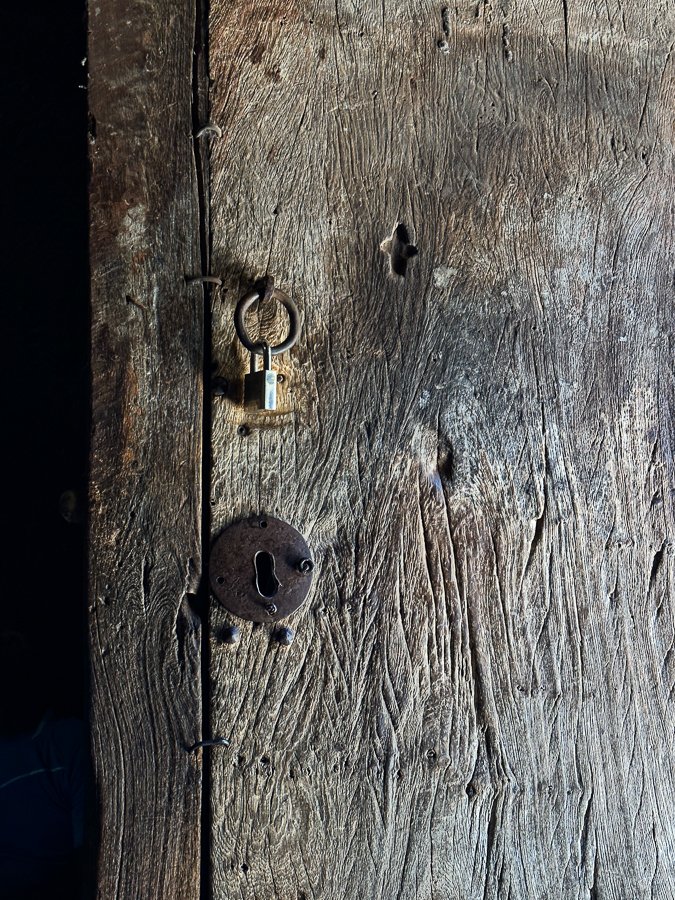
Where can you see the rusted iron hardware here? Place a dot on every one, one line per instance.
(261, 569)
(260, 386)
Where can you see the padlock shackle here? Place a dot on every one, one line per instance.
(266, 355)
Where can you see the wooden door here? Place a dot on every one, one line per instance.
(472, 207)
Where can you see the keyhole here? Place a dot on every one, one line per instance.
(266, 581)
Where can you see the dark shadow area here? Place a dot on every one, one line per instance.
(45, 373)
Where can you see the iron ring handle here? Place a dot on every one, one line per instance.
(293, 314)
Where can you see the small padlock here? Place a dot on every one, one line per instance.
(260, 385)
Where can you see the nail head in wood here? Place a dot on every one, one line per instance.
(230, 634)
(219, 386)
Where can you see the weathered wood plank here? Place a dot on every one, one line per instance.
(478, 702)
(145, 504)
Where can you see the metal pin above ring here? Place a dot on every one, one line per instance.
(210, 128)
(203, 279)
(214, 742)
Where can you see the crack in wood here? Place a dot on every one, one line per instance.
(656, 565)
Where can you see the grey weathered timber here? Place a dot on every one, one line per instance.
(479, 699)
(145, 503)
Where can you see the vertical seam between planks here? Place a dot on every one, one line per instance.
(200, 104)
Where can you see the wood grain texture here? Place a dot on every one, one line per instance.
(145, 503)
(479, 700)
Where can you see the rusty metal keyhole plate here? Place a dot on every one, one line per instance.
(260, 569)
